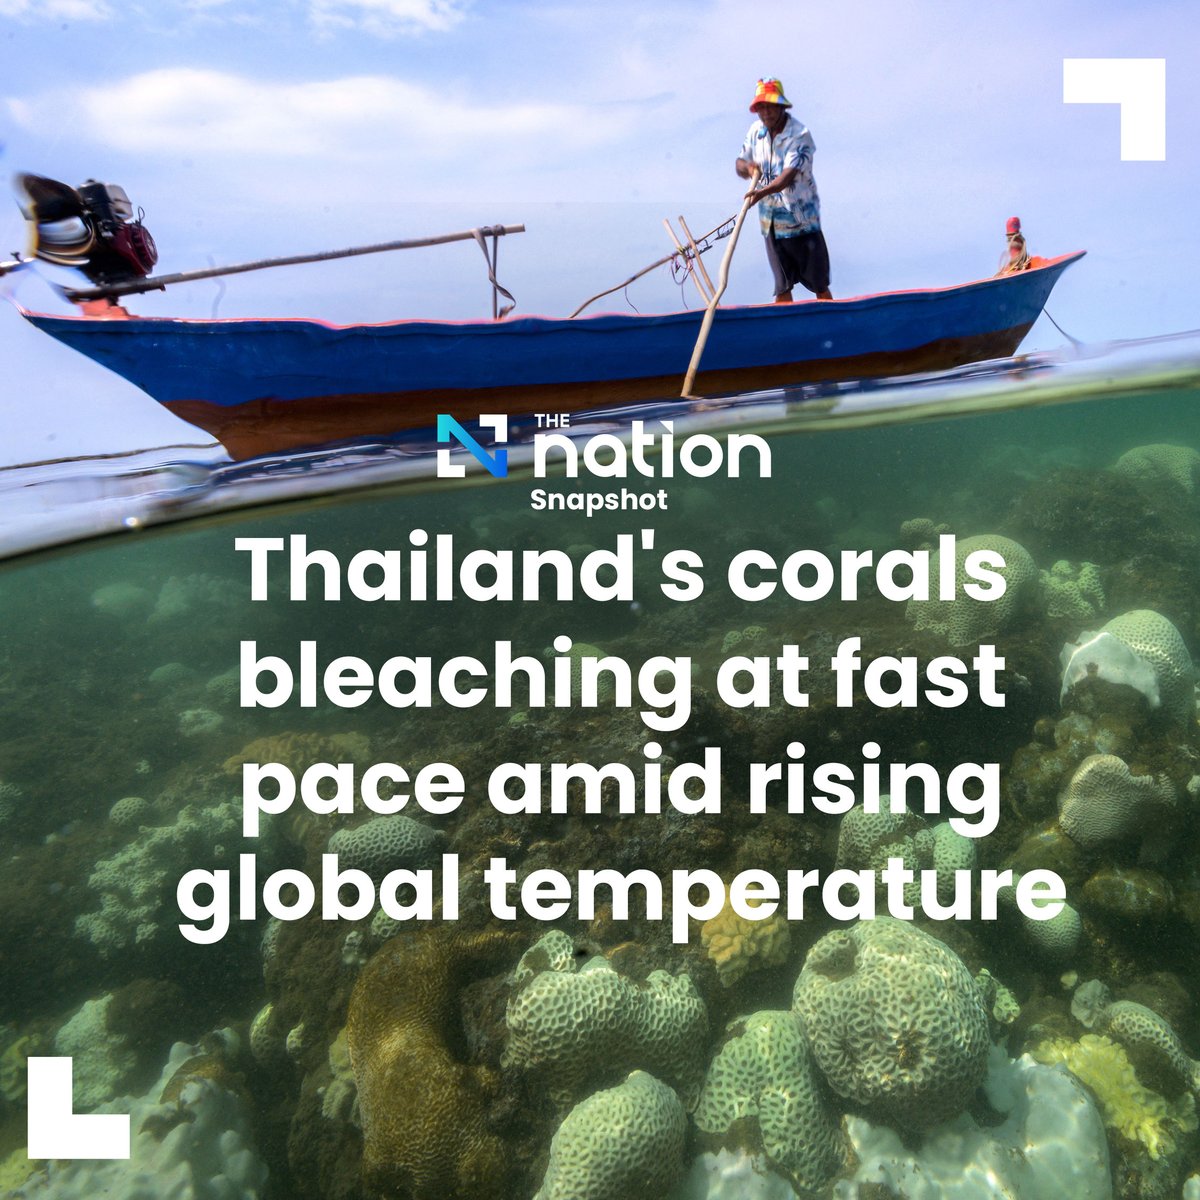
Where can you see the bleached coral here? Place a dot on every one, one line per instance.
(1103, 655)
(895, 1021)
(1131, 1109)
(1051, 1143)
(189, 1140)
(625, 1143)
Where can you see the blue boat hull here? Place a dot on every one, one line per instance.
(262, 386)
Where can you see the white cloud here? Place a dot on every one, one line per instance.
(56, 10)
(355, 121)
(387, 17)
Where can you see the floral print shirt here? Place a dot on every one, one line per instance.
(797, 209)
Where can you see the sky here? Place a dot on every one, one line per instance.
(246, 130)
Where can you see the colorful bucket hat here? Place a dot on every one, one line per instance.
(770, 91)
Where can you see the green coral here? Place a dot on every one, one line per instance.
(1072, 591)
(1133, 1110)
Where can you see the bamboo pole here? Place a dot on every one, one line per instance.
(158, 282)
(704, 295)
(687, 233)
(722, 283)
(660, 262)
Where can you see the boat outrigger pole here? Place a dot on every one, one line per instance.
(156, 283)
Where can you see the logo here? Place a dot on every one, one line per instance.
(55, 1130)
(494, 462)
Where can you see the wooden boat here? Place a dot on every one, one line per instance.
(263, 386)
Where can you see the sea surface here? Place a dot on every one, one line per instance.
(499, 1038)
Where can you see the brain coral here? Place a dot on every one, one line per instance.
(625, 1143)
(1159, 463)
(130, 811)
(1103, 802)
(737, 945)
(895, 1021)
(424, 1110)
(964, 620)
(1149, 1036)
(763, 1079)
(575, 1028)
(867, 840)
(384, 844)
(1151, 636)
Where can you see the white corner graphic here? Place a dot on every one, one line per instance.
(56, 1131)
(1138, 85)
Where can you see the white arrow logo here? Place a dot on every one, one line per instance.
(56, 1130)
(1138, 85)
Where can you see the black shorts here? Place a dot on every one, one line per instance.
(802, 259)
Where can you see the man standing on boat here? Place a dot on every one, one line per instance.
(789, 211)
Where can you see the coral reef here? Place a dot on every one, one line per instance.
(1134, 1111)
(130, 811)
(575, 1028)
(101, 1060)
(895, 1021)
(136, 885)
(1104, 656)
(298, 751)
(965, 620)
(385, 844)
(1072, 591)
(762, 1086)
(1159, 464)
(1152, 637)
(1051, 1143)
(737, 945)
(624, 1143)
(1104, 802)
(189, 1140)
(424, 1109)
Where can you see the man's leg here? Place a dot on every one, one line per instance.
(783, 284)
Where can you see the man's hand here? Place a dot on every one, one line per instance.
(743, 168)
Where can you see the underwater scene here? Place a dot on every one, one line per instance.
(626, 908)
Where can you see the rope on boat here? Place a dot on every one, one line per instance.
(680, 264)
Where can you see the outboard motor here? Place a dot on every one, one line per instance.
(91, 228)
